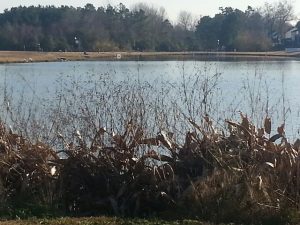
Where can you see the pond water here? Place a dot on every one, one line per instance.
(262, 87)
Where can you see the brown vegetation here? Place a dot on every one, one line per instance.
(244, 174)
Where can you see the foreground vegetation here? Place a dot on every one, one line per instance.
(126, 148)
(242, 176)
(100, 221)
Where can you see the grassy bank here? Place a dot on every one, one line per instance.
(101, 221)
(16, 57)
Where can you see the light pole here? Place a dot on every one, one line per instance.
(77, 43)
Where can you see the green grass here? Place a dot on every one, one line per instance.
(100, 220)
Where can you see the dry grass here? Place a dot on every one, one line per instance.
(246, 175)
(19, 56)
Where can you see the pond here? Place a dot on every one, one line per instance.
(256, 88)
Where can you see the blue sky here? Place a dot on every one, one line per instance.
(173, 7)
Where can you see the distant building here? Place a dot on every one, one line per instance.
(292, 38)
(276, 39)
(292, 34)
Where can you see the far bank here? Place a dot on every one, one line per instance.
(29, 56)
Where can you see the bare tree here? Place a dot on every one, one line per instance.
(277, 15)
(150, 10)
(187, 21)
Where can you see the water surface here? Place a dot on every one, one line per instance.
(265, 87)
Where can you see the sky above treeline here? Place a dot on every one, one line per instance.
(173, 7)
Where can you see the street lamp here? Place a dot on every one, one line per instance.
(77, 43)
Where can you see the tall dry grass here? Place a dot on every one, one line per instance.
(243, 176)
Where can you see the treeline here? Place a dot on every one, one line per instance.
(142, 28)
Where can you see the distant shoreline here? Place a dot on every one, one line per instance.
(26, 56)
